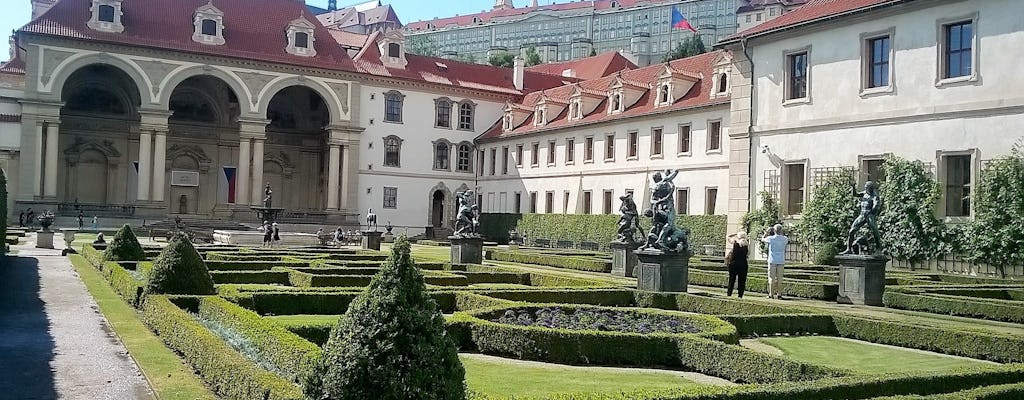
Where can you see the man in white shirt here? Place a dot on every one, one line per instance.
(776, 241)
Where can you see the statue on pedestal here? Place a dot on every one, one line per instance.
(268, 196)
(664, 234)
(629, 221)
(371, 220)
(870, 207)
(467, 222)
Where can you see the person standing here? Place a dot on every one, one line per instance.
(277, 235)
(339, 237)
(21, 219)
(737, 263)
(95, 223)
(776, 241)
(81, 221)
(268, 234)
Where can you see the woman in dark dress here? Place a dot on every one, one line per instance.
(737, 263)
(268, 234)
(277, 235)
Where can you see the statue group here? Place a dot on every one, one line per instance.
(870, 208)
(467, 220)
(664, 235)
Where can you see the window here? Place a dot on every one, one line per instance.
(541, 118)
(466, 116)
(443, 113)
(750, 17)
(570, 150)
(759, 17)
(106, 13)
(209, 27)
(665, 94)
(441, 154)
(302, 40)
(481, 162)
(518, 202)
(656, 142)
(723, 83)
(710, 200)
(462, 161)
(878, 62)
(565, 202)
(390, 197)
(494, 160)
(533, 202)
(393, 106)
(684, 139)
(392, 151)
(957, 185)
(504, 160)
(609, 147)
(549, 202)
(616, 103)
(606, 205)
(715, 136)
(588, 148)
(519, 155)
(551, 152)
(535, 155)
(871, 170)
(797, 79)
(577, 110)
(794, 177)
(394, 50)
(959, 44)
(632, 141)
(682, 201)
(588, 202)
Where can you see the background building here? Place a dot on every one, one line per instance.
(755, 12)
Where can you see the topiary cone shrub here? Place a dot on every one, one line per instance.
(179, 269)
(125, 246)
(391, 343)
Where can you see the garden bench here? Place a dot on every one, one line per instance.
(542, 242)
(591, 246)
(564, 244)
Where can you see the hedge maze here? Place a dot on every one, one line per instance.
(258, 337)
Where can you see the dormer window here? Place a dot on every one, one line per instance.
(541, 117)
(506, 123)
(209, 25)
(106, 16)
(394, 50)
(300, 38)
(615, 105)
(577, 110)
(665, 95)
(723, 83)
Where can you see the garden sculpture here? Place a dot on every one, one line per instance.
(268, 196)
(466, 221)
(664, 234)
(629, 222)
(870, 207)
(371, 219)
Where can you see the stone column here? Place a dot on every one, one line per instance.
(40, 152)
(333, 171)
(242, 178)
(50, 182)
(345, 172)
(257, 171)
(159, 165)
(145, 164)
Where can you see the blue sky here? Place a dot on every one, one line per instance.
(17, 12)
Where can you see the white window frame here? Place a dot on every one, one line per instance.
(787, 57)
(117, 26)
(707, 137)
(208, 12)
(784, 186)
(940, 67)
(679, 140)
(866, 62)
(940, 177)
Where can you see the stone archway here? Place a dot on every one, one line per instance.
(440, 206)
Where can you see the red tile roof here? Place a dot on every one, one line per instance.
(509, 14)
(813, 11)
(594, 67)
(761, 4)
(254, 29)
(698, 96)
(13, 67)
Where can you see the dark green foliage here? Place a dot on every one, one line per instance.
(391, 343)
(180, 270)
(998, 237)
(244, 277)
(760, 219)
(124, 283)
(502, 59)
(688, 47)
(93, 256)
(422, 45)
(910, 230)
(993, 309)
(125, 246)
(601, 229)
(571, 262)
(826, 219)
(593, 52)
(985, 346)
(825, 254)
(532, 57)
(759, 283)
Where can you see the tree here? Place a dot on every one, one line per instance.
(391, 343)
(758, 220)
(998, 235)
(826, 219)
(502, 59)
(688, 47)
(423, 46)
(532, 57)
(593, 52)
(179, 269)
(125, 246)
(910, 231)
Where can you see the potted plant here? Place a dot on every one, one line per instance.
(45, 220)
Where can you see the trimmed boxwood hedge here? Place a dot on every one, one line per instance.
(93, 256)
(985, 346)
(704, 229)
(571, 262)
(124, 283)
(708, 304)
(1011, 391)
(790, 287)
(246, 277)
(252, 265)
(226, 372)
(993, 309)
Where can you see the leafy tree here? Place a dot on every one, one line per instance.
(391, 343)
(467, 58)
(502, 59)
(423, 46)
(688, 47)
(998, 237)
(125, 246)
(593, 52)
(179, 269)
(910, 231)
(827, 217)
(757, 221)
(532, 57)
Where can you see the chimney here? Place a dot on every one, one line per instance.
(518, 71)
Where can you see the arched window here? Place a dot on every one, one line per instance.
(393, 106)
(540, 117)
(577, 111)
(443, 113)
(465, 151)
(665, 94)
(302, 40)
(209, 27)
(441, 155)
(508, 121)
(394, 50)
(723, 82)
(466, 116)
(106, 13)
(392, 151)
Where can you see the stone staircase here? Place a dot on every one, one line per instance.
(440, 233)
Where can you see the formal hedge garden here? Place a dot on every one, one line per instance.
(600, 229)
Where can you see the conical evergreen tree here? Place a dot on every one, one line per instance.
(180, 270)
(125, 246)
(391, 344)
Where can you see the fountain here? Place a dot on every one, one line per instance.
(267, 215)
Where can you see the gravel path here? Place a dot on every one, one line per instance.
(54, 342)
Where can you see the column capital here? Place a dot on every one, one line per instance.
(252, 128)
(344, 133)
(153, 120)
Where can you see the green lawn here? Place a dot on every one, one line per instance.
(500, 378)
(168, 375)
(863, 357)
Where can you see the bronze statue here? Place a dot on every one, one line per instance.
(371, 219)
(629, 222)
(466, 220)
(664, 234)
(870, 207)
(268, 196)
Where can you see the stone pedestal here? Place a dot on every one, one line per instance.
(624, 260)
(371, 240)
(44, 240)
(69, 237)
(861, 279)
(467, 250)
(389, 237)
(661, 272)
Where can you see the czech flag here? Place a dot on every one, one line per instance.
(227, 185)
(679, 21)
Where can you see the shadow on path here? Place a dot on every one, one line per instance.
(26, 346)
